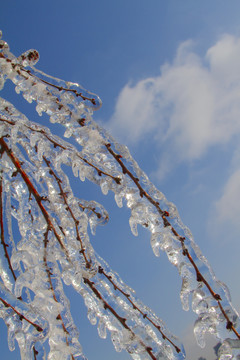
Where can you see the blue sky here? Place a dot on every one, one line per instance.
(168, 74)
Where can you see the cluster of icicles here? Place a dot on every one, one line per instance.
(45, 240)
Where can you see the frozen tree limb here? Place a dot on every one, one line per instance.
(54, 246)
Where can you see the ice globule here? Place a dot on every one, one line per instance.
(29, 58)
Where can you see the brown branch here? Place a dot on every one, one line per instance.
(35, 353)
(34, 192)
(100, 172)
(56, 144)
(39, 199)
(135, 307)
(93, 210)
(117, 316)
(68, 208)
(125, 170)
(229, 325)
(48, 271)
(22, 317)
(199, 276)
(164, 215)
(60, 88)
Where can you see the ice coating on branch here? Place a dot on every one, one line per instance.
(55, 246)
(61, 100)
(25, 324)
(29, 58)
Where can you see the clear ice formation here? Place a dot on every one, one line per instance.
(45, 241)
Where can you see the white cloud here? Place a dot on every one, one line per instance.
(228, 206)
(193, 351)
(192, 105)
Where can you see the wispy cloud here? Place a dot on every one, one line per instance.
(192, 105)
(227, 208)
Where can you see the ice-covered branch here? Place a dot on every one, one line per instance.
(54, 246)
(136, 307)
(21, 317)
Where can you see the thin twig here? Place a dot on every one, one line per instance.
(48, 271)
(57, 144)
(68, 208)
(118, 317)
(37, 327)
(60, 88)
(34, 192)
(135, 307)
(93, 210)
(20, 67)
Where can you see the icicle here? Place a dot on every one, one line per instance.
(119, 200)
(2, 82)
(116, 340)
(133, 225)
(205, 324)
(102, 330)
(105, 185)
(155, 243)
